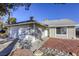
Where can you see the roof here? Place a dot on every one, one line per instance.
(25, 23)
(60, 22)
(22, 22)
(50, 23)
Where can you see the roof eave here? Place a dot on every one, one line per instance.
(11, 25)
(63, 26)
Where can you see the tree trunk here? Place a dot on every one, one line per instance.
(8, 16)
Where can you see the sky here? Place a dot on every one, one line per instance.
(50, 11)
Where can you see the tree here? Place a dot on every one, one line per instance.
(12, 20)
(5, 8)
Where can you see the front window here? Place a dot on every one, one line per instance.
(61, 30)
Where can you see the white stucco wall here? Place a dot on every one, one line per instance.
(52, 32)
(44, 34)
(69, 35)
(19, 29)
(13, 32)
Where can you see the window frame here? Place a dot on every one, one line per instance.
(60, 29)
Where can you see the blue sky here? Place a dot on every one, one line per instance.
(41, 11)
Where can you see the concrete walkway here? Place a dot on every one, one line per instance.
(38, 44)
(6, 51)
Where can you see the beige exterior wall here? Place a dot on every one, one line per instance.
(69, 35)
(52, 32)
(64, 36)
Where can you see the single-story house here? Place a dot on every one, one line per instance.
(63, 28)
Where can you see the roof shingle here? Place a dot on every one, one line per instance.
(60, 22)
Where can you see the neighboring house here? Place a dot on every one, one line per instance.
(63, 28)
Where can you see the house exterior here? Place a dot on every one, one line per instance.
(27, 29)
(31, 33)
(63, 28)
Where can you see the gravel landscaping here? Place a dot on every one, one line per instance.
(48, 47)
(67, 45)
(54, 52)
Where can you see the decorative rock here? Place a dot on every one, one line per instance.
(74, 54)
(25, 44)
(54, 52)
(38, 53)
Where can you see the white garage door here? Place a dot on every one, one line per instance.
(13, 33)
